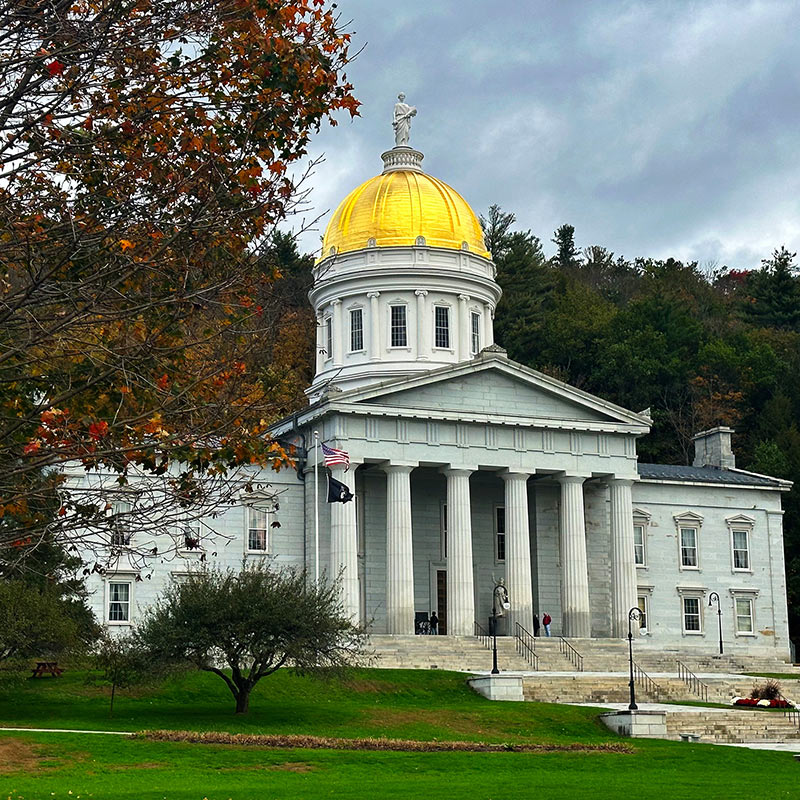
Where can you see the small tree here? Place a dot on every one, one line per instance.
(34, 623)
(253, 622)
(123, 662)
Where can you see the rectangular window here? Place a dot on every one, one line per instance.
(444, 530)
(119, 602)
(356, 330)
(741, 550)
(744, 615)
(191, 535)
(120, 523)
(691, 614)
(638, 545)
(500, 533)
(642, 603)
(256, 530)
(689, 547)
(399, 335)
(328, 338)
(441, 328)
(475, 320)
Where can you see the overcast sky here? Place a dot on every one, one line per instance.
(655, 128)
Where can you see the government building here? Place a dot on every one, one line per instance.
(468, 468)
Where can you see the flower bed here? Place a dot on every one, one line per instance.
(754, 702)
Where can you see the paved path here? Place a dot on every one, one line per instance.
(67, 730)
(573, 674)
(654, 707)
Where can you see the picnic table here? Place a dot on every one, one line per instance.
(47, 667)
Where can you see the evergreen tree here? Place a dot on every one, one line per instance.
(567, 256)
(775, 292)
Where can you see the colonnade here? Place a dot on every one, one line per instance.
(575, 604)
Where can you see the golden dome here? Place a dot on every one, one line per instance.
(399, 206)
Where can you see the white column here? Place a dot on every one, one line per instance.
(375, 327)
(344, 544)
(460, 580)
(399, 552)
(623, 562)
(575, 612)
(338, 333)
(518, 551)
(422, 326)
(463, 327)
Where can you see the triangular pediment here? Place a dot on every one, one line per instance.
(494, 385)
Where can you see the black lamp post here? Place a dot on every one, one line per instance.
(634, 614)
(714, 598)
(499, 588)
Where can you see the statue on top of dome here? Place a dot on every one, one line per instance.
(402, 121)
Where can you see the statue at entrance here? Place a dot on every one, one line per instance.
(402, 121)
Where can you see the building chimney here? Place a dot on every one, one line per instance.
(712, 448)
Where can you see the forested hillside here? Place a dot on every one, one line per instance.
(697, 348)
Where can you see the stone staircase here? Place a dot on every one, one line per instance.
(468, 654)
(733, 726)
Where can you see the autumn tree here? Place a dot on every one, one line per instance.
(245, 625)
(147, 150)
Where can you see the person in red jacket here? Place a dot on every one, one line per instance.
(546, 620)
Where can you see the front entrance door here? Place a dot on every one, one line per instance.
(441, 599)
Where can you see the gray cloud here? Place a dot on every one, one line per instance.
(657, 129)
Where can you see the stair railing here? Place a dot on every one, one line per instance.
(526, 645)
(791, 712)
(644, 681)
(692, 681)
(571, 653)
(483, 635)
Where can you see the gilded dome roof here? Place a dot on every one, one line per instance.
(397, 207)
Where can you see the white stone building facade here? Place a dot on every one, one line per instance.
(468, 467)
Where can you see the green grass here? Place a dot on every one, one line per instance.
(395, 703)
(778, 676)
(402, 704)
(97, 767)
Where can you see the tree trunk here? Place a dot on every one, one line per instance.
(243, 700)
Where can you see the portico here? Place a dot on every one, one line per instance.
(445, 504)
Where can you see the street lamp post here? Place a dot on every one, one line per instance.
(634, 614)
(499, 589)
(714, 598)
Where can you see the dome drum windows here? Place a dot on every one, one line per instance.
(441, 327)
(475, 332)
(356, 330)
(398, 325)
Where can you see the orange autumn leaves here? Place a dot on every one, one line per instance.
(141, 178)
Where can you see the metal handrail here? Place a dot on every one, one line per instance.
(526, 645)
(646, 682)
(692, 681)
(571, 653)
(483, 635)
(791, 713)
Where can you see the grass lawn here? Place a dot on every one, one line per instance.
(402, 704)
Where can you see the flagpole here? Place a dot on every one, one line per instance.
(316, 507)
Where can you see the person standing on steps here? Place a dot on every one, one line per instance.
(536, 625)
(434, 624)
(546, 620)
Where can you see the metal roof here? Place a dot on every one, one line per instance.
(675, 472)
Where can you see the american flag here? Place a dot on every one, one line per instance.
(331, 456)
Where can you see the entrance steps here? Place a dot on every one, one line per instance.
(733, 726)
(598, 687)
(468, 654)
